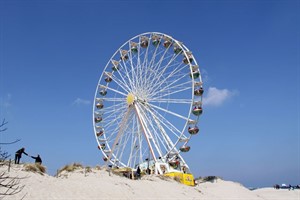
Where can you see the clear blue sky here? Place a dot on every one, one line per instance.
(52, 54)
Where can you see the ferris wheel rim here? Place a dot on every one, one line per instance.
(108, 64)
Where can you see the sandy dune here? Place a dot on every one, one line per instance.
(99, 184)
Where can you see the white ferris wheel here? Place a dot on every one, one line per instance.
(147, 102)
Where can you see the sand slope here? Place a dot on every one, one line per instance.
(98, 184)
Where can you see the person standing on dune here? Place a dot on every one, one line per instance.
(18, 155)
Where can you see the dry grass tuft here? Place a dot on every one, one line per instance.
(208, 179)
(88, 169)
(169, 178)
(37, 168)
(70, 168)
(121, 171)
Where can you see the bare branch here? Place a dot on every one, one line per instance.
(2, 129)
(9, 185)
(3, 124)
(5, 143)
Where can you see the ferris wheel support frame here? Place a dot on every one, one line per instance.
(146, 133)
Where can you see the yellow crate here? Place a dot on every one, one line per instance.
(186, 179)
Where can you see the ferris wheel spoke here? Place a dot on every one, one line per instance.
(141, 60)
(177, 91)
(152, 61)
(138, 63)
(117, 107)
(168, 144)
(142, 75)
(140, 140)
(122, 144)
(150, 130)
(180, 101)
(133, 66)
(154, 75)
(153, 70)
(165, 56)
(128, 139)
(139, 143)
(167, 66)
(132, 78)
(167, 81)
(113, 99)
(171, 89)
(121, 82)
(150, 64)
(172, 86)
(110, 121)
(170, 63)
(113, 108)
(144, 130)
(132, 153)
(162, 137)
(125, 74)
(172, 74)
(120, 132)
(130, 156)
(165, 143)
(173, 92)
(114, 90)
(165, 122)
(111, 138)
(167, 111)
(145, 62)
(121, 150)
(169, 59)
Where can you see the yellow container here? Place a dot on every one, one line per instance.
(186, 179)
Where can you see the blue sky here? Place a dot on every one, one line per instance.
(52, 54)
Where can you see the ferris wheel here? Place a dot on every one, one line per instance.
(147, 102)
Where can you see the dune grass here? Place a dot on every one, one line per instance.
(70, 168)
(35, 167)
(208, 179)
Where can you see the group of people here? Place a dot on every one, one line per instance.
(285, 186)
(21, 151)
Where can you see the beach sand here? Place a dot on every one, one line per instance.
(100, 184)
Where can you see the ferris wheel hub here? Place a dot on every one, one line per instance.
(130, 99)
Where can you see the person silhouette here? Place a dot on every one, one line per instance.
(18, 155)
(138, 172)
(38, 159)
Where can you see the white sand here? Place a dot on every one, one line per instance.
(272, 194)
(98, 184)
